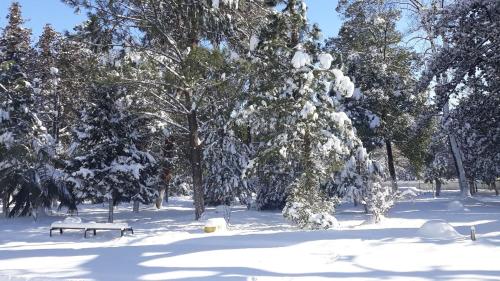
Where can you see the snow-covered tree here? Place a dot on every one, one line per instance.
(466, 64)
(21, 132)
(46, 81)
(110, 162)
(438, 161)
(296, 113)
(372, 54)
(226, 157)
(475, 122)
(171, 35)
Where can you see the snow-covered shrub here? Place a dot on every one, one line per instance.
(379, 199)
(405, 193)
(309, 209)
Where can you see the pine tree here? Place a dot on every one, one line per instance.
(47, 79)
(371, 51)
(296, 111)
(226, 158)
(21, 133)
(439, 164)
(110, 163)
(466, 64)
(171, 37)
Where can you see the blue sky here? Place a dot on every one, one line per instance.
(40, 12)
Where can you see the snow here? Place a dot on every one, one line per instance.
(378, 21)
(133, 168)
(455, 206)
(91, 224)
(300, 59)
(7, 139)
(307, 110)
(254, 42)
(343, 84)
(374, 121)
(438, 229)
(325, 60)
(341, 118)
(54, 71)
(169, 245)
(72, 220)
(219, 224)
(282, 151)
(84, 172)
(4, 115)
(229, 3)
(408, 192)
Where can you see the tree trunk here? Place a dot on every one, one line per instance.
(457, 156)
(136, 206)
(161, 197)
(494, 186)
(248, 139)
(168, 154)
(39, 212)
(110, 210)
(459, 166)
(390, 163)
(295, 29)
(195, 150)
(438, 187)
(57, 117)
(5, 205)
(472, 186)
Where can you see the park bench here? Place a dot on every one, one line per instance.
(91, 226)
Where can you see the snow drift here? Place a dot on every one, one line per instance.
(438, 229)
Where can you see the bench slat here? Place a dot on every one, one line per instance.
(111, 226)
(92, 226)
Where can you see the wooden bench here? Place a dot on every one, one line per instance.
(123, 227)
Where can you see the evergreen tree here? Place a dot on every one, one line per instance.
(110, 162)
(466, 65)
(21, 133)
(169, 35)
(226, 158)
(47, 81)
(297, 113)
(371, 52)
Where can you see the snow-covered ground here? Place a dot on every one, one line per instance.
(168, 245)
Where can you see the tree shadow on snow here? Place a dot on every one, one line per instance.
(129, 262)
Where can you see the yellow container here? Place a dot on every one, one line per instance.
(209, 229)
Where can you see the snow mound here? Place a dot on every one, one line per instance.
(408, 192)
(72, 220)
(455, 206)
(438, 229)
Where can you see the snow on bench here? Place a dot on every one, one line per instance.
(90, 226)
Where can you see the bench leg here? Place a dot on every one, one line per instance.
(121, 232)
(60, 231)
(95, 232)
(50, 232)
(85, 233)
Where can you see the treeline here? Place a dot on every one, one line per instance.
(239, 101)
